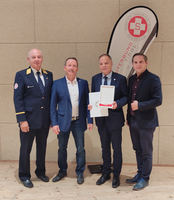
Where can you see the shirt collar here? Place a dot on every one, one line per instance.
(141, 75)
(71, 82)
(108, 76)
(35, 71)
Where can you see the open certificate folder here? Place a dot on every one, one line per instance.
(106, 96)
(96, 111)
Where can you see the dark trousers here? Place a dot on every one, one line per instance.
(142, 144)
(26, 140)
(63, 138)
(108, 137)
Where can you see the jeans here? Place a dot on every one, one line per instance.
(63, 137)
(142, 144)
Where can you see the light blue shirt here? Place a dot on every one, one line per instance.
(108, 78)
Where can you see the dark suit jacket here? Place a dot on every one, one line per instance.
(60, 96)
(149, 96)
(30, 104)
(115, 120)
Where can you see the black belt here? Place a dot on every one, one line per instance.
(75, 118)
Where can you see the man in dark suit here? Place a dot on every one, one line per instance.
(110, 127)
(70, 94)
(32, 92)
(144, 96)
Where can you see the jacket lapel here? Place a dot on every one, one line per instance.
(46, 79)
(141, 82)
(132, 79)
(66, 88)
(80, 88)
(99, 82)
(113, 78)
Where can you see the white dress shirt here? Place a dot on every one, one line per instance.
(36, 77)
(74, 96)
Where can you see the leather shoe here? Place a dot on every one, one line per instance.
(27, 183)
(134, 179)
(103, 179)
(44, 178)
(115, 182)
(80, 179)
(59, 176)
(141, 184)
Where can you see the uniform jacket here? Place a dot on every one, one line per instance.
(149, 96)
(30, 104)
(60, 96)
(115, 120)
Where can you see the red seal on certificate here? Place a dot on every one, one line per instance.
(106, 96)
(105, 105)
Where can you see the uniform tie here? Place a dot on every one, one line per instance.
(105, 81)
(40, 83)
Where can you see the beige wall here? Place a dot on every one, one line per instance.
(80, 28)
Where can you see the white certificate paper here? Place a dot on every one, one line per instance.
(106, 96)
(96, 111)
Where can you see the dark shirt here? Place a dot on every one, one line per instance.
(135, 87)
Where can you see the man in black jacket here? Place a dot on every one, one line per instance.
(144, 96)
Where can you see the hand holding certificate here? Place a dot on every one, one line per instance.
(101, 101)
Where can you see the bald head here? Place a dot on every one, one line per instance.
(35, 59)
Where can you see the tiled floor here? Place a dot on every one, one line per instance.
(161, 185)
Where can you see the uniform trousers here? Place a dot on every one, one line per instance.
(26, 139)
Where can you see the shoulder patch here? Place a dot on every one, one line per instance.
(15, 86)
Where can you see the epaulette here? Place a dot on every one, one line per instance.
(28, 71)
(44, 71)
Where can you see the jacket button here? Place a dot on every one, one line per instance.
(42, 97)
(41, 107)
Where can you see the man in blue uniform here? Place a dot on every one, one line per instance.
(32, 92)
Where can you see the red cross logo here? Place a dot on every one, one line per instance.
(137, 26)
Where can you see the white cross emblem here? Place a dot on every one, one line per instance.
(137, 26)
